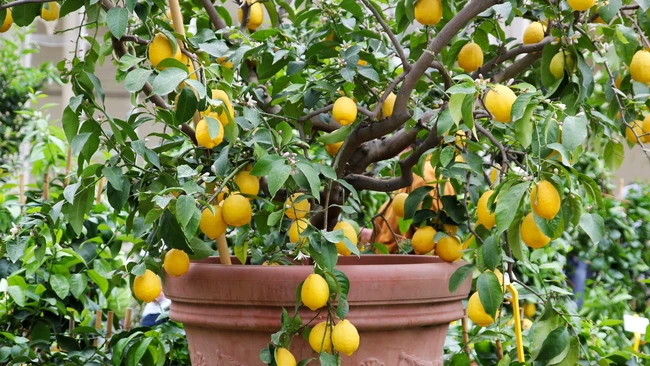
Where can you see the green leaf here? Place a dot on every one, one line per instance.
(241, 251)
(327, 359)
(70, 122)
(336, 136)
(414, 200)
(77, 284)
(287, 132)
(114, 176)
(460, 359)
(185, 208)
(574, 132)
(508, 205)
(489, 291)
(491, 252)
(468, 110)
(117, 19)
(353, 8)
(593, 225)
(456, 107)
(556, 342)
(614, 154)
(78, 142)
(278, 176)
(168, 80)
(16, 248)
(265, 165)
(100, 281)
(135, 79)
(369, 73)
(60, 285)
(24, 14)
(172, 233)
(69, 6)
(518, 248)
(117, 197)
(312, 178)
(459, 276)
(524, 126)
(82, 201)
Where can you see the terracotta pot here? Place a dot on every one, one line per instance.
(400, 304)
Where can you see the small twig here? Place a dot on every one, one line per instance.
(443, 72)
(213, 15)
(315, 113)
(497, 143)
(245, 10)
(389, 32)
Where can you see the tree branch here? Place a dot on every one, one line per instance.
(387, 92)
(497, 143)
(213, 15)
(389, 32)
(316, 113)
(517, 67)
(443, 72)
(322, 126)
(529, 48)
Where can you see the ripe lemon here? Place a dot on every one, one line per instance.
(284, 358)
(223, 61)
(581, 5)
(345, 337)
(203, 135)
(237, 210)
(315, 292)
(255, 15)
(526, 324)
(226, 107)
(190, 68)
(398, 204)
(428, 12)
(563, 60)
(619, 81)
(296, 228)
(531, 234)
(160, 48)
(334, 148)
(646, 129)
(344, 111)
(449, 249)
(470, 57)
(389, 105)
(485, 217)
(8, 22)
(499, 101)
(177, 262)
(450, 229)
(534, 33)
(348, 232)
(545, 200)
(422, 240)
(499, 275)
(320, 338)
(529, 309)
(296, 210)
(222, 194)
(476, 311)
(50, 11)
(636, 130)
(640, 67)
(248, 184)
(213, 225)
(147, 287)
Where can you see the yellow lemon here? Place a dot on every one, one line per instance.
(176, 263)
(50, 11)
(255, 15)
(213, 225)
(476, 311)
(190, 68)
(334, 148)
(422, 240)
(428, 12)
(581, 5)
(315, 292)
(646, 129)
(320, 338)
(296, 228)
(499, 101)
(545, 200)
(344, 111)
(248, 184)
(636, 130)
(534, 33)
(348, 232)
(529, 309)
(203, 134)
(450, 229)
(619, 81)
(147, 287)
(224, 62)
(563, 60)
(284, 358)
(531, 234)
(160, 48)
(449, 249)
(237, 210)
(222, 194)
(8, 22)
(398, 204)
(485, 217)
(470, 57)
(389, 105)
(526, 324)
(296, 210)
(345, 337)
(226, 107)
(362, 63)
(640, 67)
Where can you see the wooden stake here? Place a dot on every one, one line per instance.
(222, 246)
(100, 188)
(46, 186)
(499, 349)
(70, 324)
(68, 167)
(521, 316)
(21, 188)
(98, 324)
(465, 333)
(109, 327)
(619, 190)
(127, 319)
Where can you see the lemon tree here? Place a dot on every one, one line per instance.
(271, 129)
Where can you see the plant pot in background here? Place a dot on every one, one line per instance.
(400, 305)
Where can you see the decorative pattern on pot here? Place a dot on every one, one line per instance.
(197, 359)
(371, 362)
(408, 360)
(224, 360)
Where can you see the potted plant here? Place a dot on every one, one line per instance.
(248, 114)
